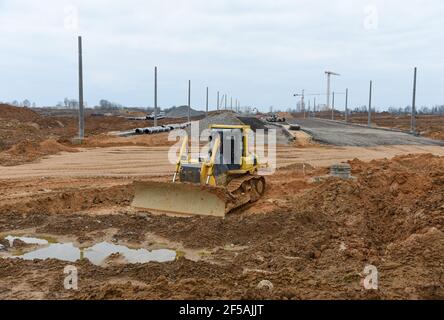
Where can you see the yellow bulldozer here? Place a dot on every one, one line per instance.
(224, 180)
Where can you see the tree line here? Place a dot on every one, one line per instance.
(25, 103)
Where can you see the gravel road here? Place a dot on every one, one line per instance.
(339, 134)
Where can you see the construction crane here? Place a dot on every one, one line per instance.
(303, 95)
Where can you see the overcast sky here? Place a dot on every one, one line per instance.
(260, 51)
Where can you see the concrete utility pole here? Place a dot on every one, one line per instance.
(155, 96)
(302, 102)
(81, 111)
(226, 101)
(329, 74)
(346, 105)
(207, 103)
(314, 107)
(218, 100)
(189, 100)
(370, 105)
(413, 120)
(231, 104)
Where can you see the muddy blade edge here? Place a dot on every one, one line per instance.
(179, 198)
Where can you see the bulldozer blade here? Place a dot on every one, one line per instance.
(180, 198)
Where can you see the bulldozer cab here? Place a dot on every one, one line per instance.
(231, 149)
(229, 143)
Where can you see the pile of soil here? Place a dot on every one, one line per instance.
(8, 112)
(222, 117)
(28, 151)
(26, 135)
(14, 131)
(182, 112)
(303, 139)
(390, 201)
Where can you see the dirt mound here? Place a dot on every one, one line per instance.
(28, 151)
(254, 123)
(303, 139)
(414, 266)
(182, 112)
(19, 124)
(390, 200)
(23, 129)
(286, 115)
(225, 117)
(18, 113)
(228, 118)
(69, 201)
(14, 131)
(45, 147)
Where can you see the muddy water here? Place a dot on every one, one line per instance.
(27, 240)
(97, 254)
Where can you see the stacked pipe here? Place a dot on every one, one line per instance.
(160, 129)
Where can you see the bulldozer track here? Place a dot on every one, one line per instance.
(237, 182)
(245, 189)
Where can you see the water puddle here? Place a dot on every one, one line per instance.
(27, 240)
(97, 254)
(59, 251)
